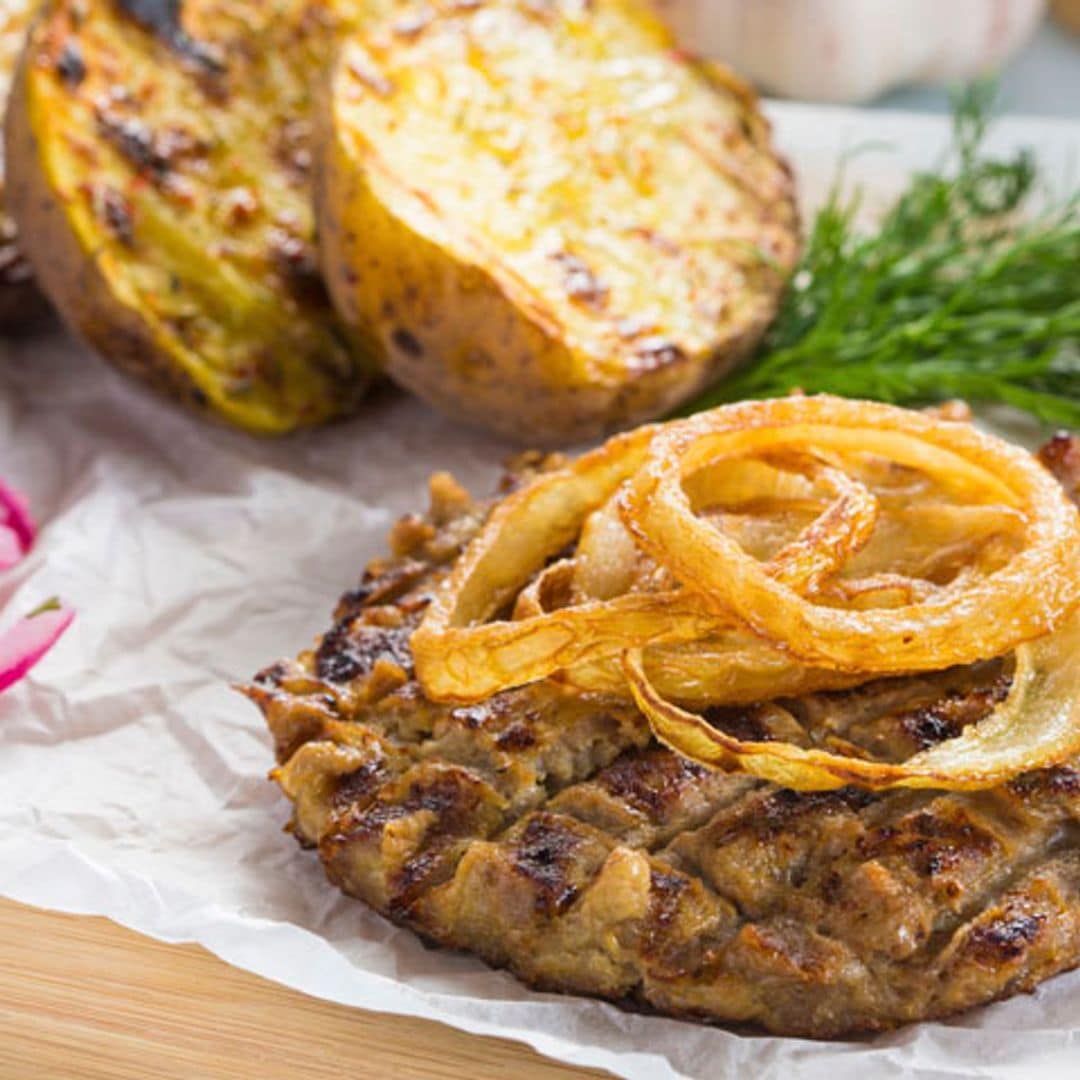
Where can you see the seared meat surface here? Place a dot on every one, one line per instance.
(547, 832)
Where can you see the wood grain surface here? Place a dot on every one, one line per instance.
(84, 999)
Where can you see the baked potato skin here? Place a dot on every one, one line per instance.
(547, 309)
(158, 172)
(20, 301)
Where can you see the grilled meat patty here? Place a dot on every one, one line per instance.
(549, 834)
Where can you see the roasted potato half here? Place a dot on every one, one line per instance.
(544, 217)
(158, 158)
(20, 300)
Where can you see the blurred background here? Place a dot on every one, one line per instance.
(894, 55)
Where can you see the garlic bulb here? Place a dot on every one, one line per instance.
(853, 50)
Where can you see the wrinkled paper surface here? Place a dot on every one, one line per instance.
(133, 780)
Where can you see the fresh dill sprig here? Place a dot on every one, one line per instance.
(953, 295)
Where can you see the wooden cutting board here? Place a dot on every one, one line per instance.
(84, 999)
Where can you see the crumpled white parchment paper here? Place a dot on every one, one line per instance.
(132, 780)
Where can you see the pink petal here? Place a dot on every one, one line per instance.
(11, 549)
(29, 640)
(16, 519)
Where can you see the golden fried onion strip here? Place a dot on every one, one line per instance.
(732, 668)
(1037, 726)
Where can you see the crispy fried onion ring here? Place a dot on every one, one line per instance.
(993, 615)
(1038, 725)
(462, 657)
(773, 549)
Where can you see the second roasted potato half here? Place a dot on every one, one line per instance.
(544, 218)
(158, 163)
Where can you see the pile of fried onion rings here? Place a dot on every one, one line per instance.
(771, 549)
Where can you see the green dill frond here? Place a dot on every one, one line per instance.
(953, 295)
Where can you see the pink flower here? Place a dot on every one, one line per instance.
(32, 637)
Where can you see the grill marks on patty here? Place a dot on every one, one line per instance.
(549, 834)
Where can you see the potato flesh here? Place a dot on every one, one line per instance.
(181, 164)
(610, 189)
